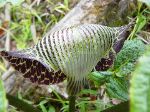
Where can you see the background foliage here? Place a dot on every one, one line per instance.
(3, 100)
(140, 85)
(108, 88)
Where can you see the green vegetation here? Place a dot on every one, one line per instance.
(140, 85)
(127, 80)
(3, 100)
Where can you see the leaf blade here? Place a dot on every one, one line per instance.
(140, 85)
(3, 100)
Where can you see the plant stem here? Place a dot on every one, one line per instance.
(72, 99)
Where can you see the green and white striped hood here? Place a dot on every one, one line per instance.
(76, 50)
(71, 52)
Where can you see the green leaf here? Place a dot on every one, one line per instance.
(51, 109)
(3, 100)
(13, 2)
(126, 58)
(117, 88)
(140, 23)
(99, 78)
(23, 31)
(140, 85)
(82, 106)
(42, 105)
(21, 105)
(122, 107)
(66, 2)
(2, 67)
(88, 91)
(147, 2)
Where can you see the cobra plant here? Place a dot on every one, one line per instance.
(70, 53)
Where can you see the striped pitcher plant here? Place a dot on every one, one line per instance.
(70, 53)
